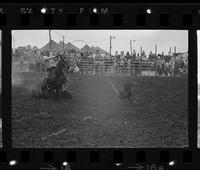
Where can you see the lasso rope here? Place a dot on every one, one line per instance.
(113, 87)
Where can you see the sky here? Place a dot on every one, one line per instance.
(198, 59)
(164, 39)
(0, 51)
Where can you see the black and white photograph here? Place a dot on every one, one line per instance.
(0, 95)
(99, 88)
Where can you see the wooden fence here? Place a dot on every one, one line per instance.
(137, 67)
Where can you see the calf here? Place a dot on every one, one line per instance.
(126, 92)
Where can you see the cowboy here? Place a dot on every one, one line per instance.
(48, 63)
(64, 60)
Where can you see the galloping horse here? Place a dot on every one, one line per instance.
(53, 84)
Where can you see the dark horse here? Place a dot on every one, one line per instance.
(54, 82)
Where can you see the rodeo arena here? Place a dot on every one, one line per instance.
(94, 60)
(65, 96)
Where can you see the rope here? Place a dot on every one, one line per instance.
(113, 87)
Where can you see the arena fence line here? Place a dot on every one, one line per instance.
(106, 66)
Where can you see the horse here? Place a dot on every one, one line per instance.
(45, 83)
(53, 84)
(126, 92)
(45, 88)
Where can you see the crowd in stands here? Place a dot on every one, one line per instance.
(33, 59)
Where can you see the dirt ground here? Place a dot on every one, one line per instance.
(96, 117)
(0, 104)
(198, 141)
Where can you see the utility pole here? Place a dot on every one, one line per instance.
(110, 45)
(156, 50)
(155, 60)
(174, 51)
(111, 37)
(63, 43)
(140, 63)
(131, 48)
(50, 39)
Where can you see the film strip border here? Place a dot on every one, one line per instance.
(121, 16)
(97, 16)
(130, 159)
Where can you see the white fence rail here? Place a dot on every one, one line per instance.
(92, 66)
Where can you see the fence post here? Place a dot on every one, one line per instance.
(140, 61)
(131, 67)
(136, 67)
(155, 60)
(140, 65)
(93, 65)
(102, 66)
(156, 66)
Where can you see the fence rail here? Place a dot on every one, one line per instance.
(136, 67)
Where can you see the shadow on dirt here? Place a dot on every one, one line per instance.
(36, 93)
(64, 95)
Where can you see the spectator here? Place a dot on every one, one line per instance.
(134, 54)
(128, 56)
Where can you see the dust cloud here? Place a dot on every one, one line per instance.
(26, 83)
